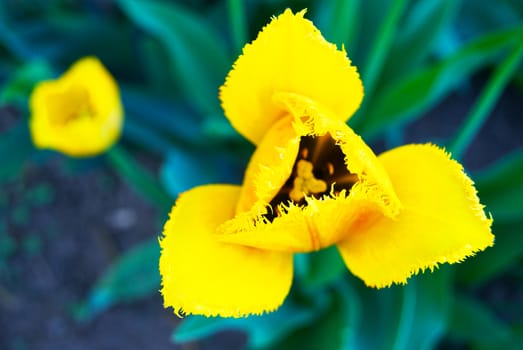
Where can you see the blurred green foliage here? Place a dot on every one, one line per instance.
(170, 57)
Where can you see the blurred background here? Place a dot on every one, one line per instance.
(79, 237)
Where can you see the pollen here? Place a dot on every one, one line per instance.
(305, 183)
(319, 170)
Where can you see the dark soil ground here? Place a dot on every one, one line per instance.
(62, 245)
(66, 227)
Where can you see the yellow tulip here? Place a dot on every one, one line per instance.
(311, 183)
(79, 114)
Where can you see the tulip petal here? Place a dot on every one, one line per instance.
(203, 276)
(441, 221)
(289, 55)
(269, 167)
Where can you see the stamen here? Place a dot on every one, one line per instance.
(321, 144)
(330, 167)
(304, 153)
(305, 183)
(319, 170)
(346, 179)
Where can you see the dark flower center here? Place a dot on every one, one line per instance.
(319, 169)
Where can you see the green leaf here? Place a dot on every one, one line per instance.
(473, 322)
(334, 328)
(238, 24)
(138, 177)
(154, 58)
(62, 35)
(414, 316)
(326, 333)
(323, 267)
(133, 276)
(174, 122)
(367, 28)
(216, 128)
(500, 187)
(424, 23)
(425, 310)
(144, 137)
(16, 148)
(486, 101)
(381, 45)
(198, 57)
(184, 169)
(10, 39)
(477, 18)
(338, 21)
(18, 88)
(506, 252)
(421, 90)
(160, 115)
(261, 330)
(380, 311)
(76, 34)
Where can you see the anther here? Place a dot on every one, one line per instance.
(319, 170)
(305, 183)
(330, 168)
(304, 153)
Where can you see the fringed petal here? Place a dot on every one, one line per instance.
(441, 221)
(291, 55)
(203, 276)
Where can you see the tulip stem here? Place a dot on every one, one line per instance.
(486, 102)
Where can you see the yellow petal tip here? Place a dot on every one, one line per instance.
(289, 55)
(441, 221)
